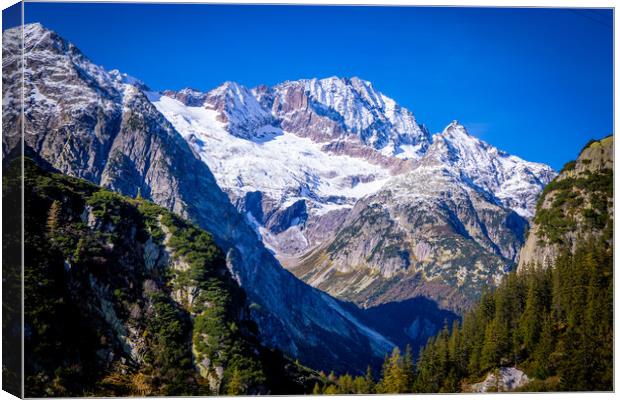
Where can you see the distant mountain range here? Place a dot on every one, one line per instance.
(354, 196)
(327, 177)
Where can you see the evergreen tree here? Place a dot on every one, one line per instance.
(394, 379)
(53, 217)
(235, 385)
(370, 380)
(331, 389)
(408, 367)
(360, 385)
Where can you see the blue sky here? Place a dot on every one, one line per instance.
(537, 83)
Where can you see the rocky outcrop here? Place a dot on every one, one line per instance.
(333, 108)
(574, 206)
(240, 111)
(506, 379)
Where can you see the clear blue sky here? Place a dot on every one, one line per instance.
(537, 83)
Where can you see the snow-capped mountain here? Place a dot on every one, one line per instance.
(449, 226)
(297, 156)
(357, 111)
(514, 183)
(89, 123)
(282, 181)
(317, 155)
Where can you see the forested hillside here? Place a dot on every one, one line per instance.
(556, 324)
(124, 298)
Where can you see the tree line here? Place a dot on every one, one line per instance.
(554, 322)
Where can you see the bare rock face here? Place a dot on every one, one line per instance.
(188, 96)
(293, 106)
(91, 124)
(335, 108)
(452, 224)
(506, 379)
(573, 206)
(240, 111)
(424, 234)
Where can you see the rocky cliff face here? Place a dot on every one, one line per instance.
(427, 233)
(575, 205)
(125, 298)
(101, 126)
(450, 226)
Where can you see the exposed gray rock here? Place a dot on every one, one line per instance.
(506, 379)
(424, 233)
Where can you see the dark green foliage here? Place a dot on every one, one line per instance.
(101, 320)
(568, 196)
(569, 166)
(12, 276)
(397, 376)
(555, 323)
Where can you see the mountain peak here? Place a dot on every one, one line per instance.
(229, 87)
(33, 28)
(240, 110)
(35, 34)
(353, 107)
(455, 128)
(127, 79)
(514, 183)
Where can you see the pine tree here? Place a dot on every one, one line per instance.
(235, 385)
(543, 364)
(370, 380)
(530, 322)
(394, 378)
(331, 389)
(428, 376)
(491, 347)
(360, 385)
(53, 217)
(408, 367)
(345, 384)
